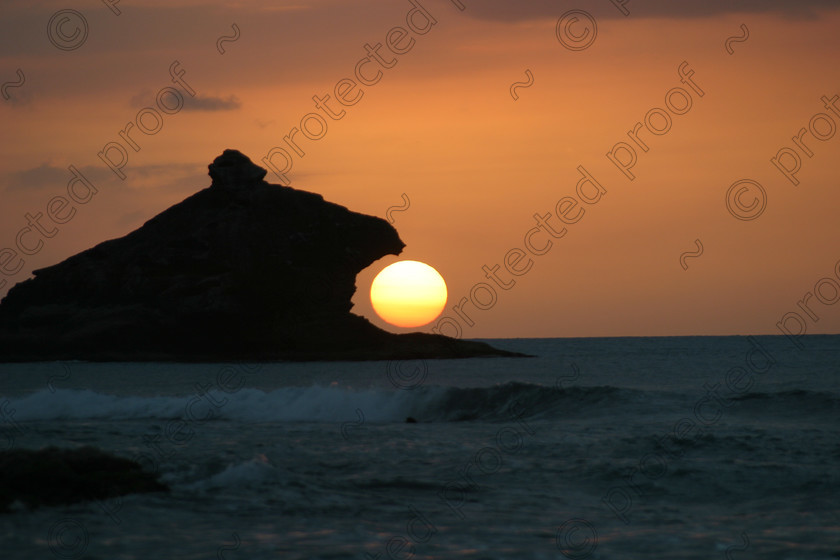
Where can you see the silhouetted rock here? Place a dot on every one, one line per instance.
(53, 476)
(242, 270)
(234, 169)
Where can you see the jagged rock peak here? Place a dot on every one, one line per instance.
(235, 169)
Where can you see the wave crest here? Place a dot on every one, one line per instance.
(321, 404)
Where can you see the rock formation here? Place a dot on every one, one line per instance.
(53, 477)
(242, 270)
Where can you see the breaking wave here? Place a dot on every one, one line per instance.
(324, 404)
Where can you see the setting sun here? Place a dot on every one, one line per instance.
(408, 294)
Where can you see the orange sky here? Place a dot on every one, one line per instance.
(442, 127)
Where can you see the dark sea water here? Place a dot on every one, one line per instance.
(667, 448)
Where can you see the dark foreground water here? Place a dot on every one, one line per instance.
(667, 448)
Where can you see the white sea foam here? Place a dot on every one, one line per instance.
(254, 472)
(296, 404)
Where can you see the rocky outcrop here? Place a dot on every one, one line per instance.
(53, 477)
(242, 270)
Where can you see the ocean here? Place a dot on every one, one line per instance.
(601, 448)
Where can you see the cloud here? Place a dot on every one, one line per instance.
(136, 47)
(40, 177)
(167, 177)
(504, 10)
(170, 170)
(198, 103)
(208, 103)
(48, 176)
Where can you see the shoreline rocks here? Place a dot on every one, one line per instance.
(56, 477)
